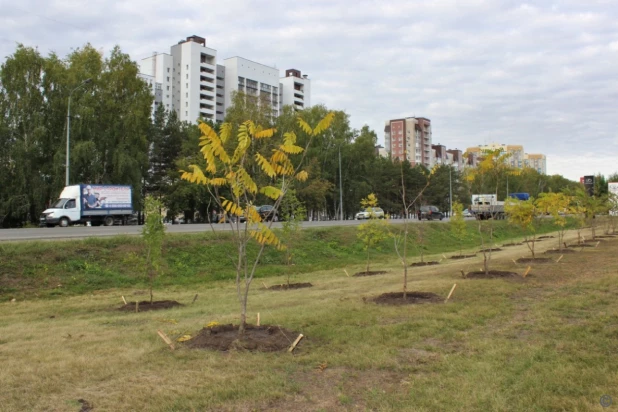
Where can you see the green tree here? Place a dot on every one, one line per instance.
(153, 233)
(557, 205)
(229, 167)
(293, 213)
(374, 231)
(524, 215)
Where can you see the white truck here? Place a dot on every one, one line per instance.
(90, 204)
(487, 207)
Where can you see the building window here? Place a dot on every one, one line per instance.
(168, 88)
(186, 113)
(187, 75)
(187, 94)
(168, 78)
(186, 104)
(187, 67)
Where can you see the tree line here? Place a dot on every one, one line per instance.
(115, 139)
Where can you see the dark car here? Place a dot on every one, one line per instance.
(267, 212)
(431, 213)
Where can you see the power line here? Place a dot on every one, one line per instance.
(30, 13)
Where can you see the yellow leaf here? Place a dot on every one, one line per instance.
(225, 131)
(278, 156)
(289, 138)
(231, 207)
(324, 123)
(207, 131)
(291, 149)
(246, 180)
(265, 165)
(212, 324)
(271, 191)
(218, 181)
(197, 176)
(304, 126)
(183, 338)
(302, 176)
(265, 133)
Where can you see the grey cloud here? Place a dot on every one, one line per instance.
(537, 74)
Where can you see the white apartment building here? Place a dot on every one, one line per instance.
(192, 83)
(409, 138)
(155, 89)
(254, 79)
(296, 89)
(158, 68)
(518, 158)
(194, 79)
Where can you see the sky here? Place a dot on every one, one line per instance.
(540, 74)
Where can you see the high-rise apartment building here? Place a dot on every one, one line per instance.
(452, 157)
(517, 159)
(409, 138)
(194, 79)
(192, 83)
(296, 89)
(254, 79)
(158, 68)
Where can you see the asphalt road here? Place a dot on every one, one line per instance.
(80, 232)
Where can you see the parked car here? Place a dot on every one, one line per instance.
(370, 213)
(467, 213)
(431, 213)
(267, 213)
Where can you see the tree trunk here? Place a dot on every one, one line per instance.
(367, 268)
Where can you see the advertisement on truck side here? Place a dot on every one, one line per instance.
(105, 197)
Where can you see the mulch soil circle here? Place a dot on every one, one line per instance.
(546, 237)
(559, 252)
(496, 249)
(290, 286)
(413, 298)
(534, 260)
(581, 245)
(264, 338)
(145, 305)
(493, 274)
(425, 263)
(596, 239)
(370, 273)
(606, 236)
(512, 244)
(462, 256)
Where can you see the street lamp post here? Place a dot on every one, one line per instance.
(450, 191)
(85, 82)
(340, 188)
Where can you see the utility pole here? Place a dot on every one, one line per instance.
(340, 188)
(450, 190)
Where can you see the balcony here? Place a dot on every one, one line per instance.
(207, 88)
(205, 79)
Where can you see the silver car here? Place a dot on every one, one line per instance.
(370, 213)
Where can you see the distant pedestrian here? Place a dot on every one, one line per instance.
(418, 214)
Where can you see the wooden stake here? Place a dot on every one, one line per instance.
(258, 319)
(346, 273)
(194, 298)
(123, 299)
(136, 306)
(295, 343)
(561, 256)
(514, 261)
(265, 287)
(597, 243)
(451, 292)
(166, 339)
(527, 271)
(443, 256)
(463, 274)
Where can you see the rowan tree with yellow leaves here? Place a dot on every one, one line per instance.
(237, 163)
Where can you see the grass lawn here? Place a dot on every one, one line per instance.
(547, 342)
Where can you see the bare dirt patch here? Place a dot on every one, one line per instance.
(265, 338)
(433, 262)
(86, 406)
(145, 305)
(290, 286)
(512, 244)
(496, 249)
(534, 260)
(606, 236)
(462, 256)
(546, 237)
(581, 245)
(413, 298)
(559, 252)
(493, 274)
(370, 273)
